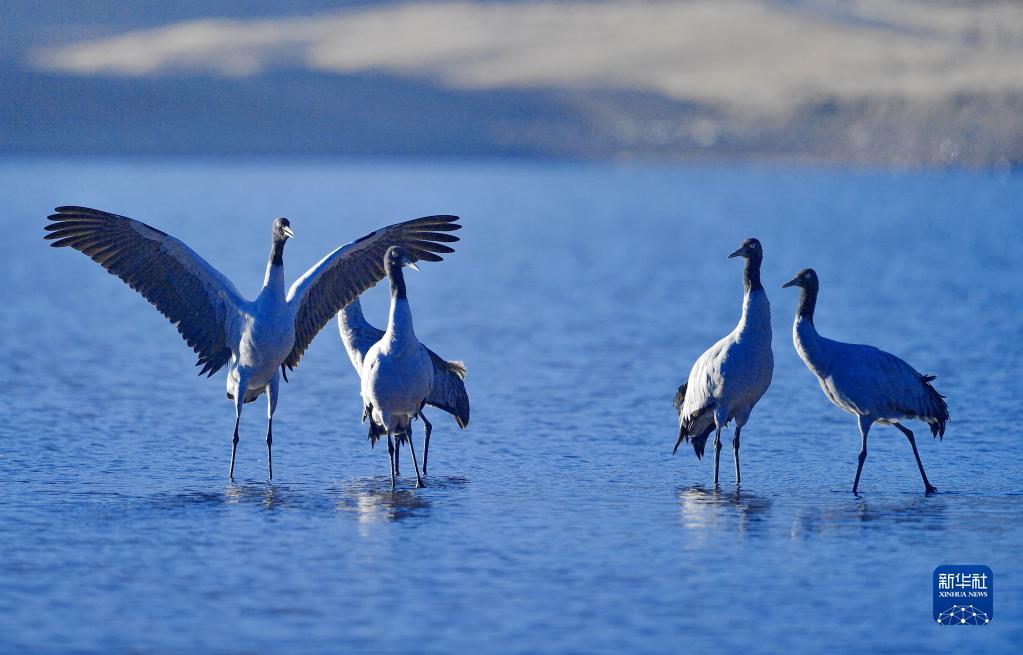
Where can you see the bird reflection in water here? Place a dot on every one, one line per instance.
(917, 513)
(267, 495)
(371, 504)
(233, 494)
(708, 508)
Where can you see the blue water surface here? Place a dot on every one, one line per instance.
(559, 521)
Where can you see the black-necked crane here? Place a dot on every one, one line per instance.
(397, 371)
(875, 386)
(448, 394)
(255, 339)
(728, 380)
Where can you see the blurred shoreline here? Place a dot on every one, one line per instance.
(874, 83)
(244, 118)
(639, 165)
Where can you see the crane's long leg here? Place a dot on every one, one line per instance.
(397, 456)
(735, 454)
(271, 405)
(717, 453)
(912, 442)
(426, 442)
(390, 452)
(239, 402)
(234, 444)
(865, 424)
(412, 449)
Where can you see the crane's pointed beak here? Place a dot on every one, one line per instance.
(288, 232)
(791, 283)
(738, 253)
(413, 266)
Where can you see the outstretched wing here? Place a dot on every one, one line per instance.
(449, 388)
(193, 295)
(365, 338)
(357, 334)
(341, 276)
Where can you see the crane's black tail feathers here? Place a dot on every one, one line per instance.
(937, 415)
(680, 397)
(699, 441)
(458, 368)
(460, 397)
(377, 431)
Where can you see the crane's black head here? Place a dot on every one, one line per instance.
(394, 259)
(754, 254)
(282, 230)
(750, 249)
(806, 278)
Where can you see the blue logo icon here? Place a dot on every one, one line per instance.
(964, 595)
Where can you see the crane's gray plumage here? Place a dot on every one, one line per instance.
(397, 372)
(255, 339)
(358, 335)
(448, 392)
(728, 380)
(874, 385)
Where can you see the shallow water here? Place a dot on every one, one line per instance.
(559, 521)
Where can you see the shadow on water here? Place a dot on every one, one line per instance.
(916, 513)
(705, 508)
